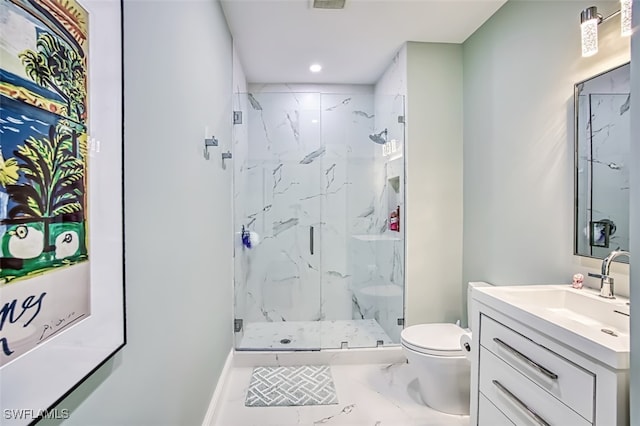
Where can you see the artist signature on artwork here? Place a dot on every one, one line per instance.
(54, 326)
(13, 311)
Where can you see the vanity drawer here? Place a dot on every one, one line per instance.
(489, 415)
(519, 398)
(571, 384)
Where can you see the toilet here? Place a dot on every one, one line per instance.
(435, 355)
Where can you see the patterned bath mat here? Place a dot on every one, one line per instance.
(291, 386)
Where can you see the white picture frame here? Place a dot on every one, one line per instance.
(33, 384)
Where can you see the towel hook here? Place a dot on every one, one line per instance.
(207, 143)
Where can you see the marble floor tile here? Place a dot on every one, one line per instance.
(313, 334)
(368, 394)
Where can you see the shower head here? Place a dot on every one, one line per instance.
(379, 138)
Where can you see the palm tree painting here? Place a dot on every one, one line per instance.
(52, 191)
(60, 68)
(55, 177)
(43, 134)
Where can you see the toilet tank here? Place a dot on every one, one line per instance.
(470, 286)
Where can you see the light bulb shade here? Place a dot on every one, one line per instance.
(625, 17)
(589, 30)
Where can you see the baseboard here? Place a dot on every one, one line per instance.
(212, 411)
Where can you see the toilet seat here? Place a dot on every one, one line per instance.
(433, 339)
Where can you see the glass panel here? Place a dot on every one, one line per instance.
(327, 168)
(277, 277)
(349, 190)
(376, 206)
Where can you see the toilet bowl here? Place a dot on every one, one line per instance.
(442, 368)
(444, 372)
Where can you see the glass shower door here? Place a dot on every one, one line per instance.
(317, 179)
(278, 204)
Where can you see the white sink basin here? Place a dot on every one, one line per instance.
(594, 325)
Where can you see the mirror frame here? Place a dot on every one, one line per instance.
(576, 159)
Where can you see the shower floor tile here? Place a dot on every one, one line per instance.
(368, 395)
(313, 335)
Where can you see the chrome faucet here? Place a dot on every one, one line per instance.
(606, 282)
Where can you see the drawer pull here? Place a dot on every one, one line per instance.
(535, 416)
(526, 359)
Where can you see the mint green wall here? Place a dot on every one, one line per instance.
(434, 182)
(178, 68)
(520, 68)
(519, 72)
(635, 216)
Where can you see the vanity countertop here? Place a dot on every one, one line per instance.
(578, 318)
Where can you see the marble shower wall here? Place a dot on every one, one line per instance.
(349, 187)
(309, 164)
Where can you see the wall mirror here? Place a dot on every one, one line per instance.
(602, 142)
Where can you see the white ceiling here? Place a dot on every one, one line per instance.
(277, 40)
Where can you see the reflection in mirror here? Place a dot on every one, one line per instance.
(603, 135)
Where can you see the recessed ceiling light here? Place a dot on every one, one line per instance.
(315, 68)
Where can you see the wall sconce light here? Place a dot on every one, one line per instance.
(590, 19)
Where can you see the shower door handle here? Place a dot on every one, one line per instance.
(311, 239)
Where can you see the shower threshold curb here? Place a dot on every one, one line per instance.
(386, 355)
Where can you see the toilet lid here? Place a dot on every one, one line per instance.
(434, 339)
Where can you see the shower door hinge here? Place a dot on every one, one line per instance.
(401, 119)
(237, 117)
(400, 321)
(237, 325)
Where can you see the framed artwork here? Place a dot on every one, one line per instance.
(61, 199)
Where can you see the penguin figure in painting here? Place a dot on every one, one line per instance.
(25, 242)
(67, 244)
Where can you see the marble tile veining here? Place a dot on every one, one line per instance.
(312, 334)
(306, 179)
(368, 395)
(313, 155)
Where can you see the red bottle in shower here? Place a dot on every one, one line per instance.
(394, 220)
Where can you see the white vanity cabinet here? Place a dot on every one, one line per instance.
(522, 376)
